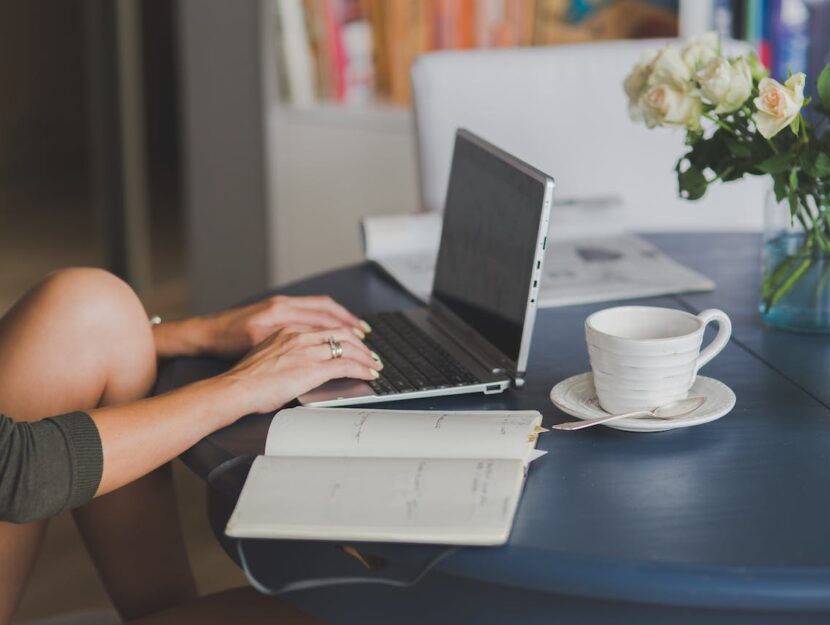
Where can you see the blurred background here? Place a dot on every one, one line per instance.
(193, 147)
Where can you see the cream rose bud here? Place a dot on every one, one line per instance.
(777, 104)
(636, 82)
(701, 50)
(725, 85)
(670, 68)
(668, 105)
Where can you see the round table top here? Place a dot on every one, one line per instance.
(733, 513)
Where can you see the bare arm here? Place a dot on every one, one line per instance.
(138, 437)
(233, 332)
(141, 436)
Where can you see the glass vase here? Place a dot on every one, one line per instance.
(795, 269)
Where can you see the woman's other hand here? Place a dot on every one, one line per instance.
(233, 332)
(294, 361)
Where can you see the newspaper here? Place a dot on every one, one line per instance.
(577, 269)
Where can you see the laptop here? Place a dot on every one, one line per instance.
(474, 337)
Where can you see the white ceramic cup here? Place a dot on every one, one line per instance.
(644, 357)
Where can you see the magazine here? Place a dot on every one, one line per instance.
(577, 269)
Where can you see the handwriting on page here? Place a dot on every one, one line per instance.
(362, 418)
(417, 491)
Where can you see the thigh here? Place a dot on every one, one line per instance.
(136, 542)
(19, 546)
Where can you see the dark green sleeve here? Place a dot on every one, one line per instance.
(48, 466)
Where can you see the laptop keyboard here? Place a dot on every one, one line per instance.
(412, 361)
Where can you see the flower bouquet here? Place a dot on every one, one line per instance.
(739, 121)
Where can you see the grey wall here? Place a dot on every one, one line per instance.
(223, 149)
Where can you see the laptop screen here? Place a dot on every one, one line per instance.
(488, 241)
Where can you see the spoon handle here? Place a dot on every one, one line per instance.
(579, 425)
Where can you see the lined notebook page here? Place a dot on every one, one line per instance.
(368, 433)
(470, 502)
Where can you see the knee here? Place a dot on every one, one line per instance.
(100, 307)
(90, 297)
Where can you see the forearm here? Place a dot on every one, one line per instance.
(141, 436)
(188, 337)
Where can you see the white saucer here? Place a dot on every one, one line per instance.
(576, 396)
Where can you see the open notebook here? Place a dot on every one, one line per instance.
(578, 269)
(388, 476)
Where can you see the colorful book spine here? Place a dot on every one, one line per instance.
(296, 53)
(789, 37)
(819, 52)
(723, 18)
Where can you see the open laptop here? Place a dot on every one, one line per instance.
(475, 334)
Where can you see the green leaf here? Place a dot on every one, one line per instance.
(737, 148)
(692, 183)
(734, 174)
(779, 187)
(822, 165)
(776, 163)
(807, 162)
(792, 196)
(795, 125)
(823, 87)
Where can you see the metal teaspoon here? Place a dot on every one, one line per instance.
(671, 410)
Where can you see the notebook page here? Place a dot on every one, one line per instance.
(390, 499)
(356, 432)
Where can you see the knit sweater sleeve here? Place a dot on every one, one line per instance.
(48, 466)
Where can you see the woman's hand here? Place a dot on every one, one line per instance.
(233, 332)
(292, 362)
(140, 436)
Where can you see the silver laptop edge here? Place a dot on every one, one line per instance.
(495, 368)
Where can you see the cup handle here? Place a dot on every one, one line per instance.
(724, 332)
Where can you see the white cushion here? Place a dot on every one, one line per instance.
(563, 110)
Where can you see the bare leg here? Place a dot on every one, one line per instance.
(241, 606)
(80, 339)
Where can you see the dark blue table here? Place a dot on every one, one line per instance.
(727, 522)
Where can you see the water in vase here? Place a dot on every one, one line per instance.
(796, 291)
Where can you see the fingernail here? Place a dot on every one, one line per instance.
(377, 359)
(374, 355)
(359, 333)
(366, 327)
(374, 373)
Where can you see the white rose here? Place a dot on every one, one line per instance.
(777, 104)
(670, 68)
(700, 51)
(668, 105)
(725, 85)
(636, 82)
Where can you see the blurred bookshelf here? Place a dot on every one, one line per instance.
(357, 53)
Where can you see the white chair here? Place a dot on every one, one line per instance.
(563, 110)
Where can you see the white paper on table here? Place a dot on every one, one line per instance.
(578, 269)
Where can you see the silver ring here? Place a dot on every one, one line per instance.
(336, 348)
